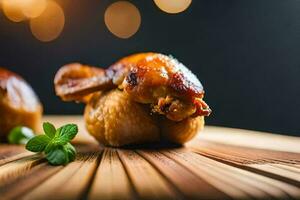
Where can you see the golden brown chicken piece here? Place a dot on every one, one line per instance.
(19, 104)
(115, 120)
(142, 96)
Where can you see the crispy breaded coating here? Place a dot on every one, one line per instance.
(115, 120)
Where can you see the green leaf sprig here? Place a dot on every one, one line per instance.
(55, 143)
(20, 135)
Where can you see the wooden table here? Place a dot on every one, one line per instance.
(221, 163)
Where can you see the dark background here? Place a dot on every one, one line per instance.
(246, 54)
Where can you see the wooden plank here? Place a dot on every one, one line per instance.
(23, 184)
(293, 168)
(15, 157)
(7, 150)
(264, 162)
(280, 170)
(272, 187)
(52, 186)
(255, 185)
(13, 170)
(220, 181)
(191, 186)
(252, 139)
(245, 155)
(111, 181)
(148, 183)
(79, 183)
(69, 183)
(11, 152)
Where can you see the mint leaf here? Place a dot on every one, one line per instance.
(38, 143)
(55, 143)
(20, 135)
(57, 156)
(49, 129)
(69, 148)
(66, 133)
(50, 146)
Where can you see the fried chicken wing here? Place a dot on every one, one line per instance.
(153, 82)
(75, 81)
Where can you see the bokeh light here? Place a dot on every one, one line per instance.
(34, 8)
(122, 19)
(49, 24)
(20, 10)
(13, 9)
(173, 6)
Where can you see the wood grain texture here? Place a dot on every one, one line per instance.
(146, 180)
(68, 183)
(111, 180)
(10, 153)
(221, 163)
(16, 169)
(29, 181)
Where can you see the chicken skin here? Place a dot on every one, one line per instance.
(144, 97)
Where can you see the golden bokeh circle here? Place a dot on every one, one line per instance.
(49, 24)
(123, 19)
(173, 6)
(13, 9)
(34, 8)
